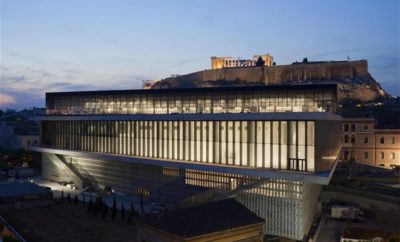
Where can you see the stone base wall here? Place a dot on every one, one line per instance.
(354, 81)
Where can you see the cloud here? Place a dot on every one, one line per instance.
(68, 86)
(6, 100)
(27, 87)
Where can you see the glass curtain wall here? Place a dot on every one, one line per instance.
(265, 144)
(314, 100)
(282, 205)
(286, 205)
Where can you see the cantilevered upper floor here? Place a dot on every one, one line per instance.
(241, 99)
(299, 142)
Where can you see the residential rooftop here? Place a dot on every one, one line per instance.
(202, 219)
(15, 189)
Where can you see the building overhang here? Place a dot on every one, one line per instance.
(198, 117)
(322, 178)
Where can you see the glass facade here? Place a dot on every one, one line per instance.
(287, 145)
(305, 98)
(285, 205)
(123, 123)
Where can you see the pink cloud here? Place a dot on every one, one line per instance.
(6, 99)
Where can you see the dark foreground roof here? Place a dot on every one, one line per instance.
(360, 233)
(14, 189)
(202, 219)
(199, 90)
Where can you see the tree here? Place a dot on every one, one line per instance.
(260, 62)
(122, 211)
(114, 210)
(90, 206)
(133, 209)
(68, 197)
(76, 200)
(274, 63)
(97, 206)
(62, 194)
(131, 213)
(141, 204)
(305, 60)
(104, 211)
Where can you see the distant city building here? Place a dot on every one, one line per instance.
(6, 137)
(25, 141)
(11, 141)
(369, 145)
(17, 130)
(270, 147)
(229, 62)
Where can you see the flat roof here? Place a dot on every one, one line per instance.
(363, 233)
(174, 91)
(387, 131)
(302, 116)
(358, 120)
(15, 189)
(203, 219)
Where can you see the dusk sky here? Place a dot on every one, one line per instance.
(49, 45)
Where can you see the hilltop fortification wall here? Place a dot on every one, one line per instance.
(282, 73)
(353, 79)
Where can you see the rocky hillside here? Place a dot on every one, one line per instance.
(353, 79)
(359, 88)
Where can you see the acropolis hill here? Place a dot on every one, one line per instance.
(353, 79)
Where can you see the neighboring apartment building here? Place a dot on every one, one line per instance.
(229, 62)
(11, 141)
(365, 143)
(270, 147)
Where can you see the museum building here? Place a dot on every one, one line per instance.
(270, 147)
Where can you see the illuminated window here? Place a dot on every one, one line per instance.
(269, 144)
(148, 103)
(142, 192)
(393, 156)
